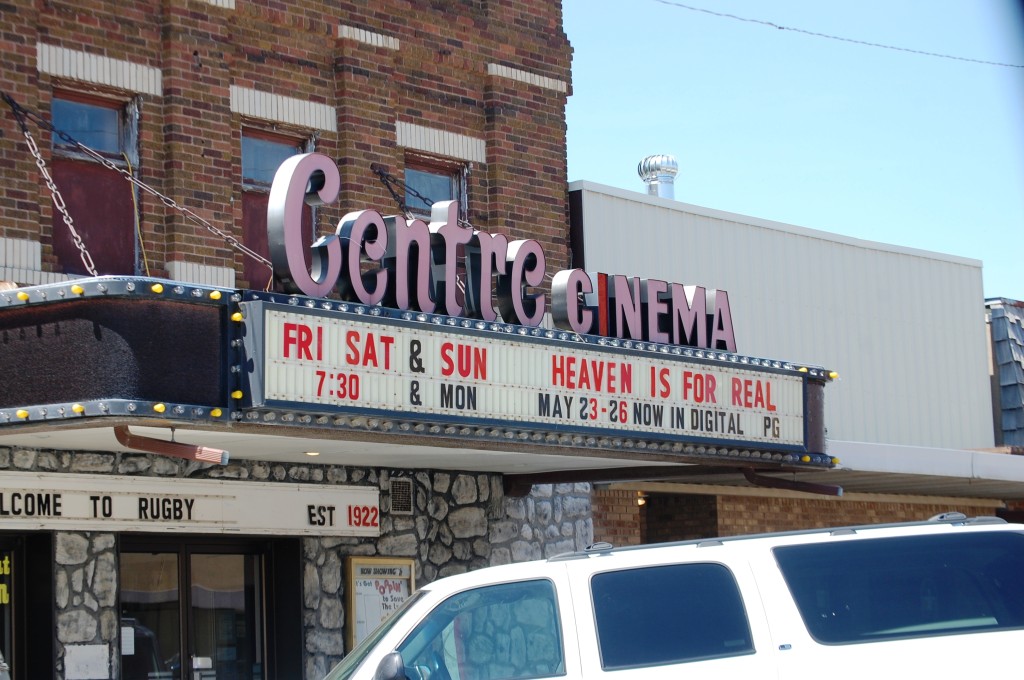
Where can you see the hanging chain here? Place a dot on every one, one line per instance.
(58, 199)
(22, 114)
(392, 184)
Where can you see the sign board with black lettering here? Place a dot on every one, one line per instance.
(69, 502)
(375, 589)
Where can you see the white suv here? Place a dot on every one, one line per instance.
(937, 599)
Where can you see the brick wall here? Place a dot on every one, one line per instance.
(617, 516)
(743, 515)
(678, 517)
(498, 72)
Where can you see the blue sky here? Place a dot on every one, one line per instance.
(879, 144)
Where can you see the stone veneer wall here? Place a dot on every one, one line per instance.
(461, 521)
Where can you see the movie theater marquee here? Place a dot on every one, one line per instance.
(331, 362)
(629, 357)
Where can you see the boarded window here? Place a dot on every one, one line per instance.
(262, 154)
(99, 200)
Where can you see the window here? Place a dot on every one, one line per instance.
(262, 154)
(501, 632)
(429, 181)
(100, 201)
(668, 614)
(96, 125)
(261, 157)
(916, 586)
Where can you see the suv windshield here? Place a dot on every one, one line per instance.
(351, 662)
(914, 586)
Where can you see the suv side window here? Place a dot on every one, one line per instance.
(669, 614)
(905, 587)
(501, 632)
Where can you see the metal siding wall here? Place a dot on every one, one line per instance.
(905, 329)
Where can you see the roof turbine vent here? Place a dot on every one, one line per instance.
(659, 173)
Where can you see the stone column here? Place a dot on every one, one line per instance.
(85, 594)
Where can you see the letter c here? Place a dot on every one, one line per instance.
(527, 269)
(313, 179)
(566, 288)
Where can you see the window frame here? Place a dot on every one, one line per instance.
(93, 181)
(127, 109)
(254, 196)
(302, 144)
(456, 171)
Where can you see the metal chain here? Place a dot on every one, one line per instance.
(58, 199)
(390, 182)
(169, 202)
(21, 114)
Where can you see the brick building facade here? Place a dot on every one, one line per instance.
(478, 87)
(198, 101)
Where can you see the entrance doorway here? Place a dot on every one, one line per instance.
(26, 609)
(195, 610)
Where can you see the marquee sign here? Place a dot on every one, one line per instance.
(414, 265)
(408, 326)
(444, 369)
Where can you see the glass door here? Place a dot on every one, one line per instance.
(192, 614)
(226, 621)
(150, 617)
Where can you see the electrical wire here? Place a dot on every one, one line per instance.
(135, 215)
(815, 34)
